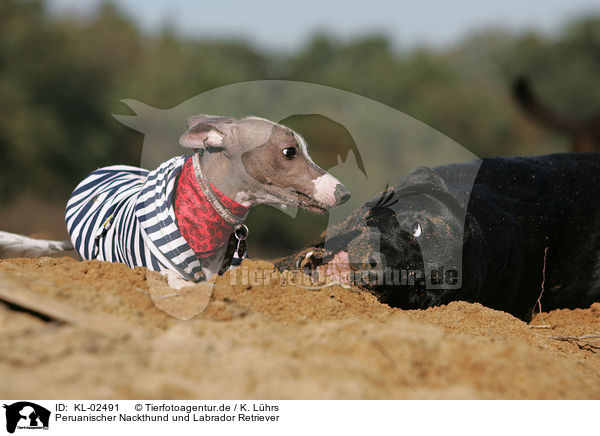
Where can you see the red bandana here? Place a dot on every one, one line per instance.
(199, 223)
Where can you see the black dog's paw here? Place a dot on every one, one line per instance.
(306, 260)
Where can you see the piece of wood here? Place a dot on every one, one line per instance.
(16, 294)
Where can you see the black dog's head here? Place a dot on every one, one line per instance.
(410, 243)
(406, 244)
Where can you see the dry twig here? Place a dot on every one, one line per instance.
(583, 342)
(539, 300)
(328, 285)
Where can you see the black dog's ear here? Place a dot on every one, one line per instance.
(206, 131)
(426, 181)
(423, 178)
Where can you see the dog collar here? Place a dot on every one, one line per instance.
(234, 221)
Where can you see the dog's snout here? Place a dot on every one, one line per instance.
(341, 194)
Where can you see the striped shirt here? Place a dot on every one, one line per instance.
(125, 214)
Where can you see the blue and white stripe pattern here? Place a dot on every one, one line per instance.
(125, 214)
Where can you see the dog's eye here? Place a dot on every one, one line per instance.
(416, 230)
(289, 153)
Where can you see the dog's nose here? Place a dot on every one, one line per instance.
(341, 194)
(374, 260)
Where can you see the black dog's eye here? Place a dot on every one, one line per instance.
(416, 230)
(289, 153)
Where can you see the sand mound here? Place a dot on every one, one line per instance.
(277, 341)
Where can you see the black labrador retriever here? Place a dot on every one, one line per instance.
(502, 232)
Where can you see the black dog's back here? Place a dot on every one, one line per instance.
(535, 208)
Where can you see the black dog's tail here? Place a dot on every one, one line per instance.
(13, 245)
(523, 94)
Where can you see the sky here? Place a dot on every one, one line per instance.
(286, 25)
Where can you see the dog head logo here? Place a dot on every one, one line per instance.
(26, 415)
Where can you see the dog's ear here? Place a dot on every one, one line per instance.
(423, 178)
(215, 119)
(206, 131)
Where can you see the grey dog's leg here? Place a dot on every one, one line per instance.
(174, 280)
(14, 245)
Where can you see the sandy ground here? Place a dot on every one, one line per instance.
(277, 341)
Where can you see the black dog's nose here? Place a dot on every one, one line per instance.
(374, 261)
(341, 194)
